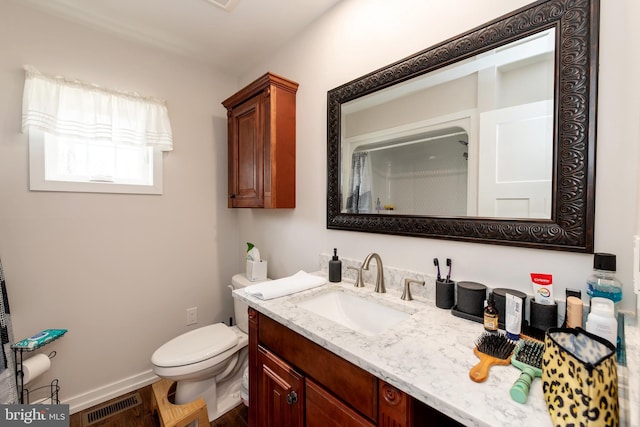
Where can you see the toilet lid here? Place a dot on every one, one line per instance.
(195, 346)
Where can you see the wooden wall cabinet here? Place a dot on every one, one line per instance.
(262, 144)
(294, 382)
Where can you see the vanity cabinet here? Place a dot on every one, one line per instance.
(281, 391)
(296, 382)
(262, 144)
(323, 409)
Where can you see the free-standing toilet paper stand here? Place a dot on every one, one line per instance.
(18, 354)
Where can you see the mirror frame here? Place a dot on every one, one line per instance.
(575, 107)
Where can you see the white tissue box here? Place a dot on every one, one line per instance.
(257, 270)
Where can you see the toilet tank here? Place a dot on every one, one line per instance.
(240, 308)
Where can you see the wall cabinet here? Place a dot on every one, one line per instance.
(262, 144)
(295, 382)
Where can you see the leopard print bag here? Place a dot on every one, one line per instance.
(580, 378)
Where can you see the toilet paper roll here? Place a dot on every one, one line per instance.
(35, 366)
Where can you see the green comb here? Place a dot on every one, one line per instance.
(527, 358)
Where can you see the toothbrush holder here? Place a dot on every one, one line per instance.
(543, 316)
(445, 293)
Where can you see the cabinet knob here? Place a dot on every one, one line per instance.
(232, 196)
(292, 398)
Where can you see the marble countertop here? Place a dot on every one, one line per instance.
(429, 355)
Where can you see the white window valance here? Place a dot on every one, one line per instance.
(72, 108)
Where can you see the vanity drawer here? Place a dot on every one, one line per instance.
(353, 385)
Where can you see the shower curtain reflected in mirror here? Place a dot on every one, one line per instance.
(8, 392)
(359, 198)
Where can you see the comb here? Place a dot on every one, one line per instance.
(527, 358)
(491, 349)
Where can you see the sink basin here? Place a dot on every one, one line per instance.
(353, 311)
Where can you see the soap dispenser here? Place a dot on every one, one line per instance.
(335, 268)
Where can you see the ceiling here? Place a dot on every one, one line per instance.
(231, 40)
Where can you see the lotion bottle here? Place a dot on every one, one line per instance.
(335, 268)
(601, 320)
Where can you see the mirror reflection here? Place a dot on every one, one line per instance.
(485, 148)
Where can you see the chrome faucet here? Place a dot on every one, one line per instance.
(380, 274)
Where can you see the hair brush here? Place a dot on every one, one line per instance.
(491, 349)
(527, 358)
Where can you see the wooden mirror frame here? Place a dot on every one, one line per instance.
(573, 200)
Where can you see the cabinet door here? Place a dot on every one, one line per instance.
(246, 154)
(280, 392)
(324, 410)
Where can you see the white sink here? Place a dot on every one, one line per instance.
(353, 311)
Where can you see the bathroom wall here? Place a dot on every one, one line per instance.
(358, 36)
(117, 271)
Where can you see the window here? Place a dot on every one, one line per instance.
(69, 164)
(88, 139)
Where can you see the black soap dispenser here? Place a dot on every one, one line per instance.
(335, 268)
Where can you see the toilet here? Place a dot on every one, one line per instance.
(209, 362)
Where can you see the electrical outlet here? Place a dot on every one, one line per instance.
(192, 316)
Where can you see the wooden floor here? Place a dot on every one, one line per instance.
(142, 416)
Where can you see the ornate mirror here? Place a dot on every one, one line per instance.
(486, 137)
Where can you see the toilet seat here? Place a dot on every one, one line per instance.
(195, 346)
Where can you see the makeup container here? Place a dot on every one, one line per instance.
(470, 301)
(573, 317)
(543, 316)
(499, 295)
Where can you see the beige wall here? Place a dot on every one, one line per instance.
(118, 271)
(359, 36)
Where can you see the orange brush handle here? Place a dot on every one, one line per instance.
(480, 372)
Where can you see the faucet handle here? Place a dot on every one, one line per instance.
(406, 294)
(359, 282)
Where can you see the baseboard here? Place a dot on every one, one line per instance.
(99, 395)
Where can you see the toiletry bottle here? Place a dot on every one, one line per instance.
(603, 282)
(335, 268)
(601, 320)
(574, 312)
(491, 315)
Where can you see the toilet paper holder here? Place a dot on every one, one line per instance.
(19, 363)
(35, 366)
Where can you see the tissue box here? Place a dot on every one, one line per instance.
(257, 270)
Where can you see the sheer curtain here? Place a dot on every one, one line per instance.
(71, 108)
(8, 392)
(359, 198)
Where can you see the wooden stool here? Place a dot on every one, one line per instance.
(177, 415)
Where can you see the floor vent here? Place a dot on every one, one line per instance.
(110, 409)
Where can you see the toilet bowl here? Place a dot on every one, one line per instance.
(208, 362)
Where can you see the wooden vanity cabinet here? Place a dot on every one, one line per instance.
(282, 392)
(323, 409)
(296, 382)
(262, 144)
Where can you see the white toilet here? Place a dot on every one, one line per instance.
(208, 362)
